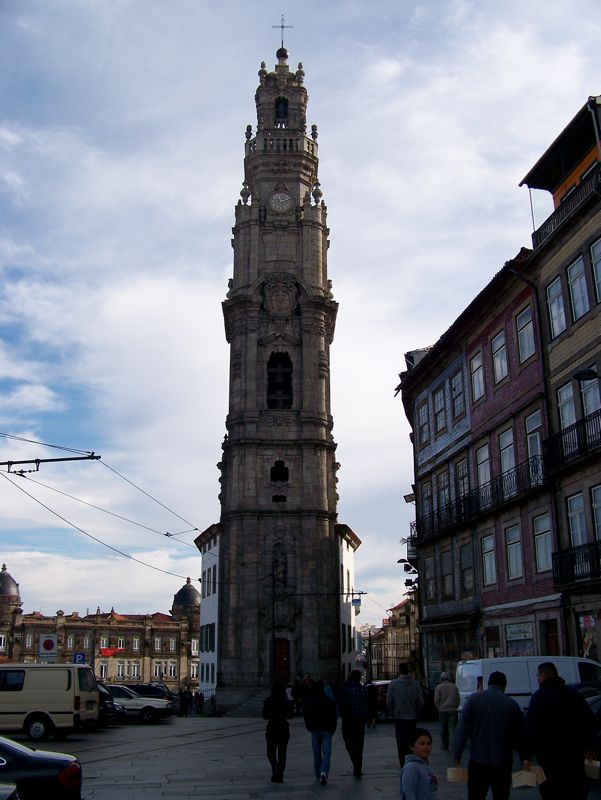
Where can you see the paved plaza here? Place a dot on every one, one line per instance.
(224, 759)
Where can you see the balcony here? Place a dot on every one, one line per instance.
(515, 483)
(581, 563)
(573, 442)
(584, 190)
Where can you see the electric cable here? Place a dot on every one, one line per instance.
(106, 511)
(89, 535)
(45, 444)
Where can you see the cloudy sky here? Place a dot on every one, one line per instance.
(121, 159)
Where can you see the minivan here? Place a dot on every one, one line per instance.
(47, 699)
(472, 676)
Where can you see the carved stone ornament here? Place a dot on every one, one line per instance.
(280, 295)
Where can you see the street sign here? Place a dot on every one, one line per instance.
(49, 645)
(79, 658)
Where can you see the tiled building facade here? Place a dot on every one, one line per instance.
(507, 437)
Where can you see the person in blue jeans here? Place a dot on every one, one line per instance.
(320, 720)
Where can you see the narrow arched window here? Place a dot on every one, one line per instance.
(279, 472)
(281, 112)
(279, 381)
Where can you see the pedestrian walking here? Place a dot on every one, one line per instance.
(404, 702)
(277, 710)
(320, 720)
(418, 779)
(353, 712)
(560, 731)
(446, 700)
(494, 724)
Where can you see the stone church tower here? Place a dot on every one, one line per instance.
(281, 553)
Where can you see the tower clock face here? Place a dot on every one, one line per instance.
(280, 201)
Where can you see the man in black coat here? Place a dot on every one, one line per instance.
(560, 729)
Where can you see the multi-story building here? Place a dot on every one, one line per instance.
(157, 647)
(396, 642)
(506, 420)
(567, 261)
(282, 563)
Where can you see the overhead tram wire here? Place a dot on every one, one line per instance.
(45, 444)
(106, 511)
(90, 536)
(154, 499)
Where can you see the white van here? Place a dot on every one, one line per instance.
(47, 699)
(472, 676)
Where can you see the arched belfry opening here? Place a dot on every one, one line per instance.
(281, 112)
(279, 381)
(279, 472)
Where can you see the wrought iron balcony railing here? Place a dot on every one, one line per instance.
(592, 185)
(511, 484)
(579, 563)
(573, 442)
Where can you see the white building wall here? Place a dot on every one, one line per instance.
(207, 674)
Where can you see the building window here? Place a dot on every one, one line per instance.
(2, 643)
(477, 373)
(86, 642)
(483, 468)
(104, 669)
(136, 643)
(70, 642)
(489, 560)
(426, 498)
(194, 670)
(525, 330)
(447, 574)
(135, 669)
(121, 643)
(457, 394)
(172, 669)
(508, 473)
(423, 423)
(157, 642)
(576, 520)
(596, 507)
(430, 579)
(442, 482)
(104, 641)
(462, 478)
(214, 578)
(213, 673)
(533, 424)
(565, 406)
(440, 417)
(578, 291)
(499, 357)
(279, 381)
(467, 569)
(542, 542)
(194, 647)
(596, 260)
(557, 317)
(591, 396)
(28, 640)
(513, 546)
(120, 669)
(172, 645)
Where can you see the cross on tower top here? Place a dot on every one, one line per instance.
(281, 26)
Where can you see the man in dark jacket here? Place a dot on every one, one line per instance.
(560, 730)
(353, 711)
(320, 720)
(494, 723)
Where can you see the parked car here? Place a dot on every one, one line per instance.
(152, 690)
(147, 709)
(106, 707)
(8, 791)
(39, 774)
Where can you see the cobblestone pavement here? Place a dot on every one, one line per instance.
(224, 759)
